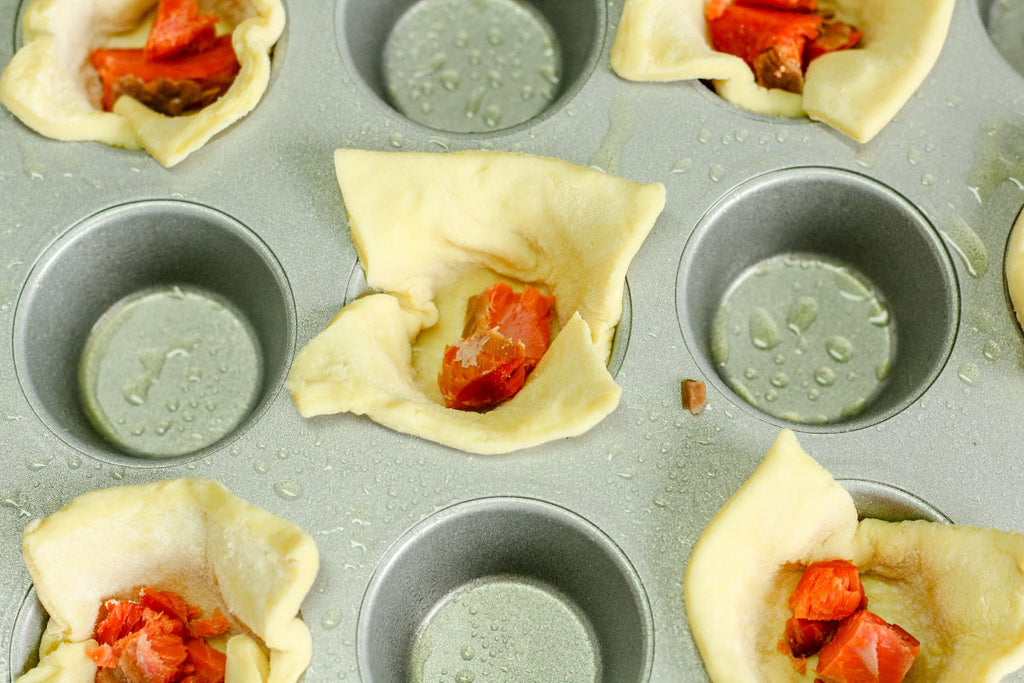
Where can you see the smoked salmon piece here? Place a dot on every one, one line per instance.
(179, 27)
(806, 636)
(158, 639)
(776, 38)
(503, 339)
(867, 649)
(828, 591)
(791, 5)
(128, 71)
(183, 66)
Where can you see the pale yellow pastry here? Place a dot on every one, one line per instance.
(191, 536)
(432, 230)
(959, 590)
(50, 85)
(856, 91)
(1013, 268)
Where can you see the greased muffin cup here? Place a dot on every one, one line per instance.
(851, 292)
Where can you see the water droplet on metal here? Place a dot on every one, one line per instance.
(802, 314)
(764, 333)
(968, 373)
(287, 489)
(839, 348)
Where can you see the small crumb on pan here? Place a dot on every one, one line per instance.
(693, 395)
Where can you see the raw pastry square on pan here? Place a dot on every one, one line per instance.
(190, 536)
(433, 229)
(959, 590)
(856, 91)
(52, 88)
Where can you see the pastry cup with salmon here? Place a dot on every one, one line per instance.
(432, 231)
(53, 83)
(856, 91)
(188, 536)
(957, 590)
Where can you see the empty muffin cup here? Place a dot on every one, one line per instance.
(818, 296)
(512, 586)
(471, 66)
(153, 330)
(1004, 23)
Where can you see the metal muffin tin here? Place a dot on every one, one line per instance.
(421, 546)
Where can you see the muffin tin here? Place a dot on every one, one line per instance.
(586, 538)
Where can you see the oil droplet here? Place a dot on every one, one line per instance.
(449, 79)
(839, 348)
(864, 157)
(750, 373)
(780, 380)
(968, 373)
(464, 676)
(468, 652)
(814, 395)
(967, 245)
(825, 376)
(683, 165)
(704, 135)
(879, 316)
(855, 408)
(991, 350)
(802, 314)
(882, 371)
(716, 172)
(492, 115)
(764, 333)
(330, 619)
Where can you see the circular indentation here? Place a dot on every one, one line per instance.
(131, 253)
(881, 501)
(169, 370)
(357, 287)
(805, 339)
(1004, 22)
(530, 577)
(29, 624)
(832, 273)
(472, 66)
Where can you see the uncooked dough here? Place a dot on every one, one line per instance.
(191, 536)
(50, 85)
(425, 225)
(1013, 268)
(855, 91)
(957, 589)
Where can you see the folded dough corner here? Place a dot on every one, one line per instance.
(191, 536)
(958, 589)
(855, 91)
(48, 83)
(422, 221)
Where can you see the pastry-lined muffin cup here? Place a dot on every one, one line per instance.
(853, 227)
(429, 601)
(128, 251)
